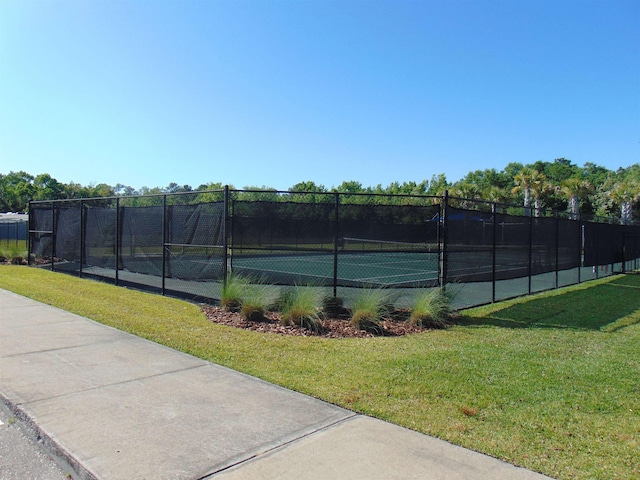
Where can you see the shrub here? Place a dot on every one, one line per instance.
(368, 309)
(301, 307)
(430, 309)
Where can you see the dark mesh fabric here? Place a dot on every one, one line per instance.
(100, 236)
(273, 227)
(569, 243)
(141, 237)
(543, 245)
(195, 239)
(176, 243)
(599, 246)
(512, 246)
(67, 233)
(399, 223)
(41, 227)
(631, 243)
(469, 245)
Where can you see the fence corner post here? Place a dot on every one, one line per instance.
(336, 242)
(225, 237)
(445, 253)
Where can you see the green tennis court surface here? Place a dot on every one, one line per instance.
(376, 268)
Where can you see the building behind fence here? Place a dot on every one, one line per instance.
(187, 244)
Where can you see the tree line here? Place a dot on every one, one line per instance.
(559, 185)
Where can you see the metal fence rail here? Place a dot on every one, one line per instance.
(187, 244)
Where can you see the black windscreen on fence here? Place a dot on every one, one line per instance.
(281, 226)
(100, 227)
(333, 244)
(67, 243)
(41, 230)
(195, 238)
(141, 239)
(600, 246)
(186, 244)
(569, 243)
(470, 245)
(543, 245)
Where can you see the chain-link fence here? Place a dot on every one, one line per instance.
(13, 233)
(187, 244)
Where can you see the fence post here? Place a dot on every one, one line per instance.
(580, 247)
(445, 234)
(336, 242)
(118, 241)
(557, 241)
(225, 236)
(53, 235)
(29, 228)
(530, 248)
(82, 227)
(494, 218)
(164, 242)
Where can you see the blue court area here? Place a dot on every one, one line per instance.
(388, 269)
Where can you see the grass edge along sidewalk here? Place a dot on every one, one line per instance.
(549, 382)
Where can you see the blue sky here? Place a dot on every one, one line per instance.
(271, 93)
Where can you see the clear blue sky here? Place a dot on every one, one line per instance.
(272, 93)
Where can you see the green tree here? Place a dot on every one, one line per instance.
(16, 189)
(48, 188)
(438, 185)
(313, 193)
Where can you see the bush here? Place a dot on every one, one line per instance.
(430, 309)
(301, 307)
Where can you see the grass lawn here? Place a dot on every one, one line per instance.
(550, 382)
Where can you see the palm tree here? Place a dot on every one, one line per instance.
(574, 189)
(625, 192)
(466, 191)
(532, 183)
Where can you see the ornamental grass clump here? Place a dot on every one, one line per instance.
(256, 300)
(301, 307)
(232, 292)
(430, 309)
(368, 309)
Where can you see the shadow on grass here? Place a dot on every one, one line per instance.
(592, 308)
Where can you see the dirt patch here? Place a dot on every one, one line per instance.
(394, 325)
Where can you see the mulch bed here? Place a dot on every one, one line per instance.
(395, 325)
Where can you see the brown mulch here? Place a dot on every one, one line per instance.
(395, 325)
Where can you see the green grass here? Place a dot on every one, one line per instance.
(550, 383)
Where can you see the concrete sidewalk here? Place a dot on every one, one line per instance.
(116, 406)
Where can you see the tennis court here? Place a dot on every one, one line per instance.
(385, 269)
